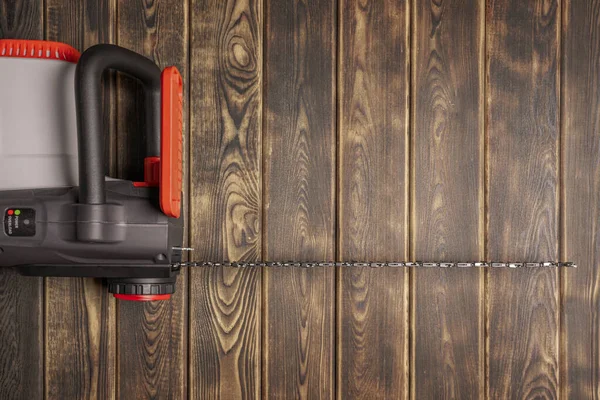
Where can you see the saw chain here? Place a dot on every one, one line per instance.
(370, 264)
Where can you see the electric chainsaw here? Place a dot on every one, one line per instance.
(63, 217)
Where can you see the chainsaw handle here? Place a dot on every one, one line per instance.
(90, 130)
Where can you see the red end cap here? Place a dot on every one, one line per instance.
(171, 146)
(38, 49)
(142, 297)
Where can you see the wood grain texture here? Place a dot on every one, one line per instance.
(271, 334)
(21, 19)
(448, 198)
(226, 207)
(152, 337)
(523, 135)
(372, 342)
(580, 360)
(80, 313)
(21, 336)
(299, 200)
(80, 339)
(21, 298)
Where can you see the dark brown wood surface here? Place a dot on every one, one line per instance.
(523, 186)
(348, 130)
(448, 198)
(372, 341)
(299, 199)
(226, 198)
(580, 103)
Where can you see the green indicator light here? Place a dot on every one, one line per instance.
(17, 212)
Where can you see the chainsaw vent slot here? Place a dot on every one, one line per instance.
(38, 49)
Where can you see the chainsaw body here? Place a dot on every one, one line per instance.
(61, 215)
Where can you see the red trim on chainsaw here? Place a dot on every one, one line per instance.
(151, 173)
(38, 49)
(171, 145)
(166, 171)
(142, 297)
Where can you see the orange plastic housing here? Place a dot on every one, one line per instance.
(171, 146)
(38, 49)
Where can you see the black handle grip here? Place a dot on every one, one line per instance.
(90, 131)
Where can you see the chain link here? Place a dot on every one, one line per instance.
(385, 264)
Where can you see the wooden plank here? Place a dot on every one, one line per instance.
(299, 215)
(21, 19)
(226, 62)
(80, 339)
(21, 298)
(372, 342)
(580, 99)
(448, 199)
(80, 313)
(152, 337)
(21, 336)
(523, 138)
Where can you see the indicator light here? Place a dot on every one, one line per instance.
(10, 212)
(17, 212)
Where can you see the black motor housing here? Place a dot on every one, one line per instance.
(143, 242)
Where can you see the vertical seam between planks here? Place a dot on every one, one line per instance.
(81, 10)
(117, 348)
(44, 337)
(484, 130)
(333, 34)
(562, 360)
(409, 176)
(263, 234)
(187, 301)
(339, 198)
(259, 303)
(187, 329)
(337, 202)
(44, 18)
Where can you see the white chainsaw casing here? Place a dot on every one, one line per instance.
(38, 128)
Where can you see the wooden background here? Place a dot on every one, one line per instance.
(355, 130)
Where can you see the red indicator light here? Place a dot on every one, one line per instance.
(10, 212)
